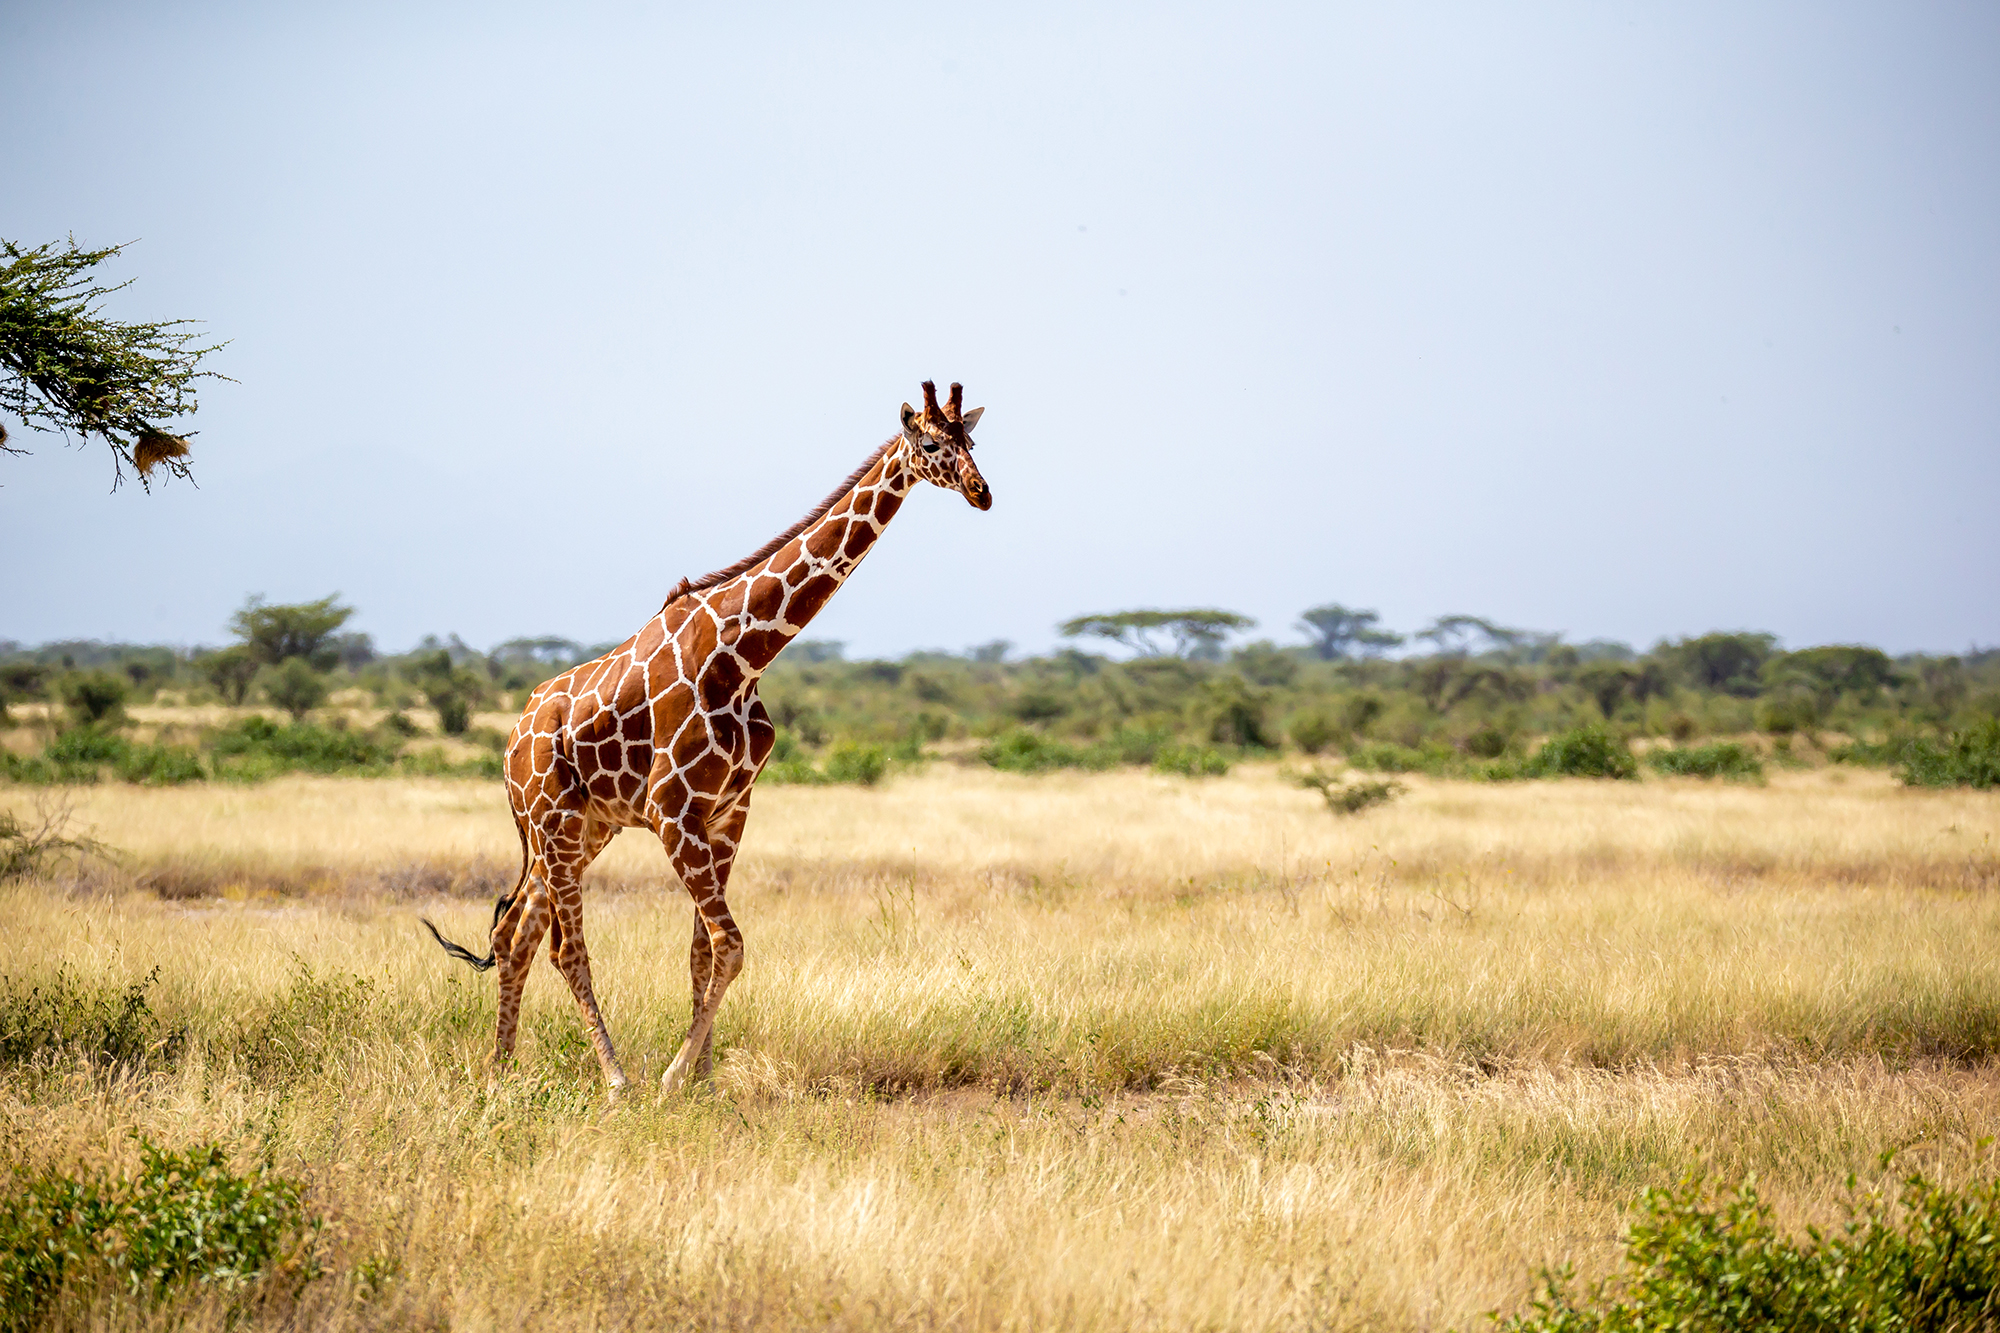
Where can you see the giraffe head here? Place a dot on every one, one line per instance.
(938, 444)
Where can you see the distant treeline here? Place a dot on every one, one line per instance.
(1463, 686)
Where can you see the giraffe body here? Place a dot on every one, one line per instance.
(666, 732)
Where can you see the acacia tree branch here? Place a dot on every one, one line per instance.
(65, 367)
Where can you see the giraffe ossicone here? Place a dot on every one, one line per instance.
(666, 732)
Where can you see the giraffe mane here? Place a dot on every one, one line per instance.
(770, 548)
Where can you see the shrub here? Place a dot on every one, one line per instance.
(1127, 745)
(78, 753)
(1723, 1267)
(258, 748)
(1190, 761)
(161, 765)
(230, 672)
(1724, 759)
(183, 1217)
(1589, 751)
(861, 764)
(1389, 757)
(1350, 798)
(847, 761)
(1022, 751)
(1234, 713)
(24, 850)
(95, 697)
(101, 1022)
(1969, 758)
(295, 687)
(1313, 732)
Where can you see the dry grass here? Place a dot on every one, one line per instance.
(1080, 1051)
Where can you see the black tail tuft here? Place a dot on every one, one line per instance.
(459, 951)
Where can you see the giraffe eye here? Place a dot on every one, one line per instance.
(930, 445)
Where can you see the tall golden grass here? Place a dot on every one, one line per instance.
(1079, 1051)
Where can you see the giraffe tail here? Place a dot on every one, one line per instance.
(459, 951)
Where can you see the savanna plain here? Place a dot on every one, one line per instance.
(1083, 1050)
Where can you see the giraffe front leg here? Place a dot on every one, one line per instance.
(725, 945)
(701, 971)
(723, 843)
(572, 959)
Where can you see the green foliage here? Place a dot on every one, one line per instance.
(1728, 663)
(1313, 731)
(1190, 761)
(1020, 750)
(273, 634)
(1586, 752)
(185, 1217)
(295, 687)
(1724, 759)
(257, 748)
(862, 765)
(1722, 1265)
(1350, 798)
(1388, 757)
(95, 698)
(230, 672)
(453, 691)
(846, 762)
(65, 367)
(101, 1022)
(161, 765)
(1234, 713)
(1968, 758)
(300, 1030)
(1265, 663)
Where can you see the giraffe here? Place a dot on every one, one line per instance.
(666, 732)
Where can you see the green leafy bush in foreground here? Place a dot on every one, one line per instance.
(185, 1217)
(1724, 759)
(1722, 1266)
(1969, 758)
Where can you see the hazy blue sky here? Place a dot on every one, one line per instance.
(1619, 320)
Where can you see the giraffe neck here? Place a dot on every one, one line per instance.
(774, 600)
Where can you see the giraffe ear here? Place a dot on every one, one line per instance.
(909, 420)
(971, 418)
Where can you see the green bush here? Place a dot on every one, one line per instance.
(1190, 761)
(1724, 759)
(95, 697)
(1930, 1263)
(77, 754)
(860, 764)
(161, 765)
(184, 1217)
(257, 748)
(295, 687)
(1313, 732)
(1589, 751)
(847, 761)
(1969, 758)
(1389, 757)
(102, 1022)
(1022, 751)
